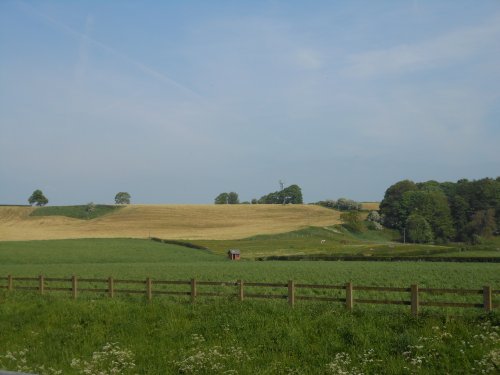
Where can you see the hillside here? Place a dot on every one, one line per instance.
(215, 222)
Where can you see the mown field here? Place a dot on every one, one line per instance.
(222, 335)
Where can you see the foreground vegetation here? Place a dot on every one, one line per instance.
(45, 334)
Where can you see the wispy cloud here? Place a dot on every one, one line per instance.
(309, 58)
(452, 46)
(85, 38)
(83, 50)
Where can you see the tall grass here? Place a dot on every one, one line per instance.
(218, 336)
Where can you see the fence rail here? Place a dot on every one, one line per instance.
(413, 292)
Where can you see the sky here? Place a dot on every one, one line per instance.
(178, 101)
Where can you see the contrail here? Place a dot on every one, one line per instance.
(139, 65)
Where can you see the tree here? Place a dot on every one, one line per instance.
(232, 198)
(38, 198)
(434, 207)
(482, 224)
(418, 229)
(122, 198)
(390, 207)
(344, 204)
(352, 221)
(222, 198)
(89, 208)
(227, 198)
(291, 194)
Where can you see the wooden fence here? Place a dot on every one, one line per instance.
(150, 288)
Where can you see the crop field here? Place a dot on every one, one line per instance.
(170, 335)
(166, 221)
(369, 206)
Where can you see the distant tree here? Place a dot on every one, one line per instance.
(418, 230)
(344, 204)
(254, 201)
(352, 221)
(122, 198)
(232, 198)
(463, 210)
(329, 203)
(374, 217)
(291, 194)
(90, 208)
(482, 224)
(390, 206)
(38, 198)
(222, 198)
(433, 206)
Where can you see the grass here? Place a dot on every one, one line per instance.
(217, 335)
(133, 258)
(76, 212)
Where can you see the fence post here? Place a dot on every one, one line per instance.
(487, 301)
(40, 284)
(291, 293)
(10, 283)
(414, 300)
(149, 288)
(111, 288)
(241, 296)
(193, 290)
(349, 300)
(74, 286)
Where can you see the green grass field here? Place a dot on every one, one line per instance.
(132, 258)
(169, 335)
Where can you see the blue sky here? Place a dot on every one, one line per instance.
(175, 102)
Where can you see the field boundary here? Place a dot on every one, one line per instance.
(381, 258)
(42, 285)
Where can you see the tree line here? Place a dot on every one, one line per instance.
(443, 211)
(289, 195)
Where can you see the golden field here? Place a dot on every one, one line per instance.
(370, 206)
(210, 222)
